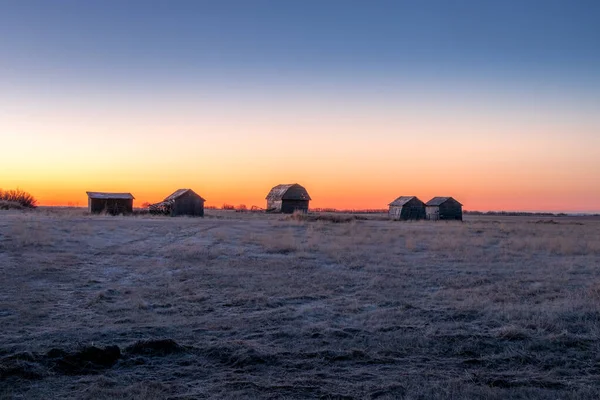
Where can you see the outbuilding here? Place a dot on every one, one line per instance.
(443, 208)
(181, 202)
(112, 203)
(287, 198)
(407, 208)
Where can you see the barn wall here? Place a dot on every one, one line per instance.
(128, 206)
(412, 210)
(274, 205)
(289, 206)
(394, 212)
(451, 210)
(111, 206)
(188, 204)
(97, 205)
(432, 213)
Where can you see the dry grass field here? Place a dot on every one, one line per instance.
(268, 306)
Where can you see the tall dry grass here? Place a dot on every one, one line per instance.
(18, 196)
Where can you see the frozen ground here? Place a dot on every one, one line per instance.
(256, 306)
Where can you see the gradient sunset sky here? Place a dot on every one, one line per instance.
(496, 103)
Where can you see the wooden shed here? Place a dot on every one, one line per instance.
(406, 208)
(288, 198)
(443, 208)
(112, 203)
(181, 202)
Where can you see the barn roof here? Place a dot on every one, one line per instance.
(289, 191)
(107, 195)
(179, 193)
(438, 201)
(402, 200)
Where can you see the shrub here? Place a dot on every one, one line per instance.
(10, 205)
(18, 196)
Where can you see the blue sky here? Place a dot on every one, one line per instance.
(278, 40)
(478, 51)
(501, 83)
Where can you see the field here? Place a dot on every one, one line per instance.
(268, 306)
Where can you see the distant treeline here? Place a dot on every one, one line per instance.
(242, 207)
(353, 211)
(521, 213)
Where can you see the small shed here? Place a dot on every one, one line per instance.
(181, 202)
(444, 208)
(287, 198)
(112, 203)
(406, 208)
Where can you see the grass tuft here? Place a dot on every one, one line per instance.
(18, 196)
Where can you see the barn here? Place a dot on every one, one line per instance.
(181, 202)
(443, 208)
(406, 208)
(288, 198)
(112, 203)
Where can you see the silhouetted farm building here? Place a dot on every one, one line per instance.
(181, 202)
(112, 203)
(445, 208)
(407, 207)
(288, 198)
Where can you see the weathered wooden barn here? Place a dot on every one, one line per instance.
(112, 203)
(443, 208)
(288, 198)
(407, 208)
(181, 202)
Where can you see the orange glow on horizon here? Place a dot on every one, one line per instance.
(340, 197)
(352, 159)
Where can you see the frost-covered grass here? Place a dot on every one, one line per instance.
(267, 306)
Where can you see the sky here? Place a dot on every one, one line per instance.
(496, 103)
